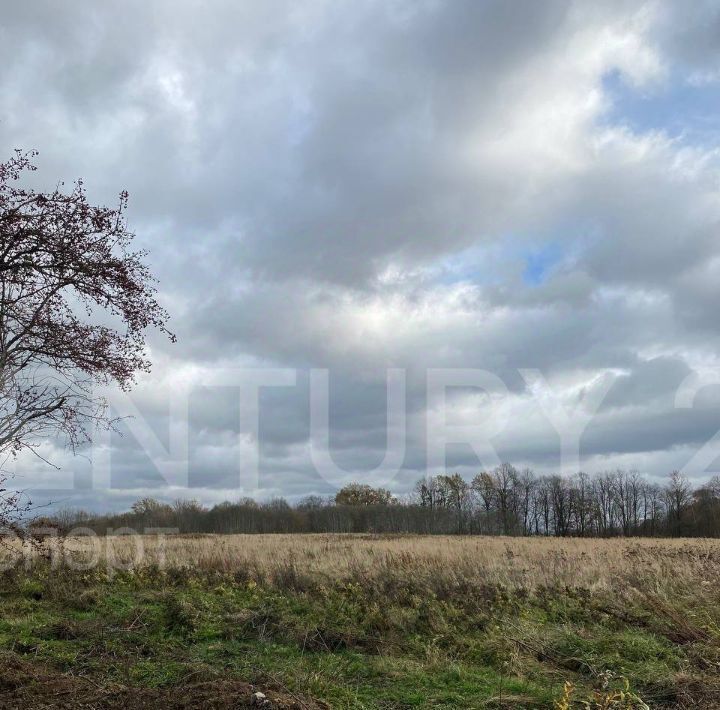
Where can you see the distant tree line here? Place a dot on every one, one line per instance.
(503, 501)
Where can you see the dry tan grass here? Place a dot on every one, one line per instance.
(513, 562)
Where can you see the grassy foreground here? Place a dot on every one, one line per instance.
(420, 623)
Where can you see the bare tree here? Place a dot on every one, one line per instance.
(582, 506)
(526, 485)
(426, 490)
(456, 493)
(505, 476)
(484, 487)
(603, 494)
(654, 509)
(562, 504)
(75, 303)
(677, 493)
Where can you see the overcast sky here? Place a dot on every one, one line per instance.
(413, 184)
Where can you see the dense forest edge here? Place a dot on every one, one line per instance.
(503, 501)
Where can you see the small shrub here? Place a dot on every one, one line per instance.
(32, 589)
(85, 601)
(180, 615)
(618, 699)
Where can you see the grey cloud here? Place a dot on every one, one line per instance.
(651, 380)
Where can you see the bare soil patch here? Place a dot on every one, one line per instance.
(24, 685)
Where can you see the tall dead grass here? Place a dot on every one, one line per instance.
(511, 562)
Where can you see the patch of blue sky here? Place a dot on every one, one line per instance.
(540, 262)
(679, 107)
(481, 264)
(504, 261)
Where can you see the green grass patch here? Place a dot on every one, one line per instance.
(348, 645)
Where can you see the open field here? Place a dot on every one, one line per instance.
(514, 562)
(363, 622)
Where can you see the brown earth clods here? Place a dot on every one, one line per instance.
(24, 686)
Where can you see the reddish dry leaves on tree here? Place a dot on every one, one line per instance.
(75, 303)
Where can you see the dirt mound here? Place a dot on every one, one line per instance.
(24, 686)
